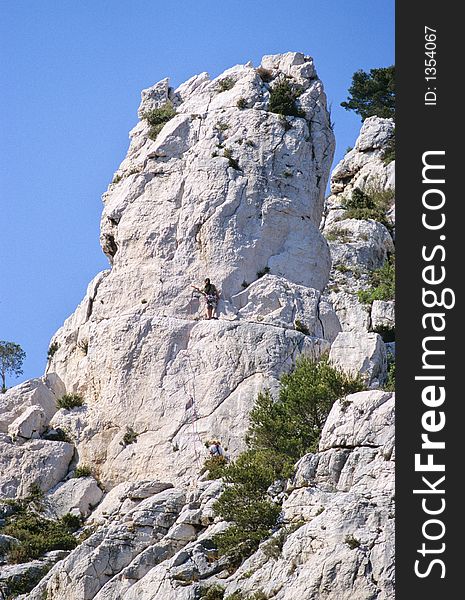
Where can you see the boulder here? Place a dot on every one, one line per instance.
(34, 392)
(383, 314)
(38, 462)
(30, 424)
(363, 353)
(82, 493)
(359, 244)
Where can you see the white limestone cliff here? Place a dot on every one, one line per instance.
(177, 213)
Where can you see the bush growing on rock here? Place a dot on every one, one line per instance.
(281, 431)
(212, 592)
(129, 437)
(390, 383)
(70, 401)
(158, 117)
(389, 154)
(299, 326)
(37, 535)
(373, 203)
(52, 349)
(292, 423)
(382, 283)
(215, 466)
(232, 161)
(283, 98)
(83, 471)
(225, 84)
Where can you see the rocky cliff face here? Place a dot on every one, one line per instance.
(223, 188)
(222, 192)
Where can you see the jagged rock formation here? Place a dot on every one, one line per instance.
(178, 211)
(229, 190)
(360, 246)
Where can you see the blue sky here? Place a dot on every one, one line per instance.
(71, 74)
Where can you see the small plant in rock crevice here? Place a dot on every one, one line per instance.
(338, 234)
(225, 84)
(130, 437)
(158, 117)
(82, 471)
(390, 383)
(52, 350)
(382, 282)
(352, 542)
(70, 401)
(232, 162)
(301, 327)
(283, 96)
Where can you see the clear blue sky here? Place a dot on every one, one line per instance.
(71, 74)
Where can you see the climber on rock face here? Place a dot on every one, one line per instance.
(211, 297)
(216, 449)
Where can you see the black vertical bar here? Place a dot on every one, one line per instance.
(429, 119)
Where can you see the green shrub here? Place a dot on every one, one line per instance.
(238, 595)
(352, 542)
(69, 401)
(283, 96)
(129, 437)
(389, 154)
(292, 423)
(373, 203)
(158, 117)
(52, 349)
(241, 103)
(215, 466)
(390, 383)
(244, 284)
(221, 126)
(338, 234)
(299, 326)
(37, 535)
(263, 272)
(117, 178)
(342, 268)
(71, 522)
(225, 84)
(82, 471)
(212, 592)
(232, 161)
(274, 546)
(246, 504)
(382, 283)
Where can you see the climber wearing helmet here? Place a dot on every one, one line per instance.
(211, 297)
